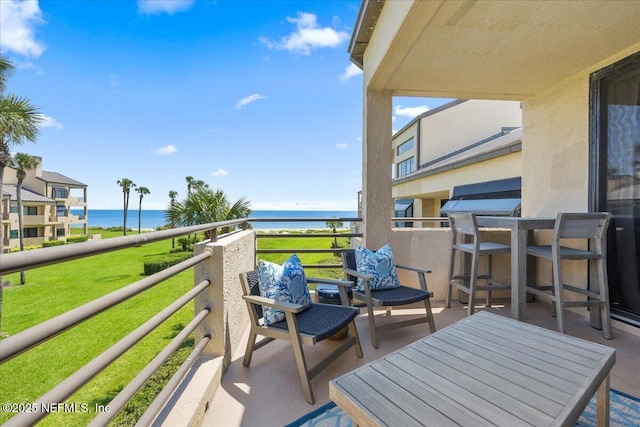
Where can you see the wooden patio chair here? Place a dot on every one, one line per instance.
(400, 296)
(302, 325)
(592, 226)
(463, 226)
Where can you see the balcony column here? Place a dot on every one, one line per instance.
(377, 158)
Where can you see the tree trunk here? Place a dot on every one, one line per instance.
(20, 224)
(139, 213)
(124, 214)
(1, 241)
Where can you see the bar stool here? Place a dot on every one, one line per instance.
(590, 226)
(462, 225)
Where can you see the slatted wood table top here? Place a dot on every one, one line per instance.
(484, 370)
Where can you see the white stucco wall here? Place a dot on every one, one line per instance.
(464, 124)
(555, 145)
(508, 166)
(430, 248)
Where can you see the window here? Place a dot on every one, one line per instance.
(614, 177)
(404, 209)
(61, 211)
(30, 232)
(404, 147)
(30, 210)
(14, 207)
(60, 193)
(405, 167)
(60, 232)
(13, 234)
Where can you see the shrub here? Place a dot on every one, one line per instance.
(77, 239)
(118, 229)
(50, 243)
(185, 243)
(159, 264)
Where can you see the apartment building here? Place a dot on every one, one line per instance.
(463, 142)
(47, 202)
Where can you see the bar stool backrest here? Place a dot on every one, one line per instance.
(590, 225)
(464, 223)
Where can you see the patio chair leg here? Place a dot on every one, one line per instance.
(490, 275)
(300, 359)
(604, 296)
(473, 279)
(557, 286)
(249, 350)
(449, 285)
(372, 325)
(432, 323)
(354, 333)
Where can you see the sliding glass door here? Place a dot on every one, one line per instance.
(615, 177)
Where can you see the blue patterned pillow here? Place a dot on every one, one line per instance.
(285, 282)
(380, 265)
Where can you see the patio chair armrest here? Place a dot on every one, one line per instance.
(351, 272)
(343, 283)
(416, 269)
(270, 302)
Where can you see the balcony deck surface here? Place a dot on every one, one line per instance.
(268, 392)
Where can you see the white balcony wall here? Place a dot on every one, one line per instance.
(227, 322)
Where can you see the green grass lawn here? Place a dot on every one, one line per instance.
(53, 290)
(306, 243)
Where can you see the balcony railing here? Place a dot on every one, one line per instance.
(207, 277)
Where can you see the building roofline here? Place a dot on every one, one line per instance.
(508, 143)
(429, 113)
(365, 23)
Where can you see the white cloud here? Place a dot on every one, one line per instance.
(248, 100)
(411, 111)
(166, 150)
(50, 122)
(220, 172)
(18, 20)
(29, 66)
(307, 36)
(156, 7)
(341, 146)
(351, 70)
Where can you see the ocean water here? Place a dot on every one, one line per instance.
(150, 219)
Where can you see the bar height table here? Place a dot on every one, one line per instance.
(519, 227)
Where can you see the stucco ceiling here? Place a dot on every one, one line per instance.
(497, 49)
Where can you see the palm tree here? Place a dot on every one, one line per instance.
(334, 225)
(203, 206)
(189, 180)
(22, 162)
(19, 121)
(142, 191)
(173, 195)
(126, 185)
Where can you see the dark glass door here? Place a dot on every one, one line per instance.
(615, 173)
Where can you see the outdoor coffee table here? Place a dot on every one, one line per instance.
(483, 370)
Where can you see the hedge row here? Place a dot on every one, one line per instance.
(159, 264)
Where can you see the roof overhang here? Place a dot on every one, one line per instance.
(487, 49)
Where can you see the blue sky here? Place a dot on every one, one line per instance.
(257, 98)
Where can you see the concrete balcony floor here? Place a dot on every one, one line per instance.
(268, 392)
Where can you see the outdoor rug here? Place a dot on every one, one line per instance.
(625, 412)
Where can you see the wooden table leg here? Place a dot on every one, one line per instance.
(603, 404)
(518, 274)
